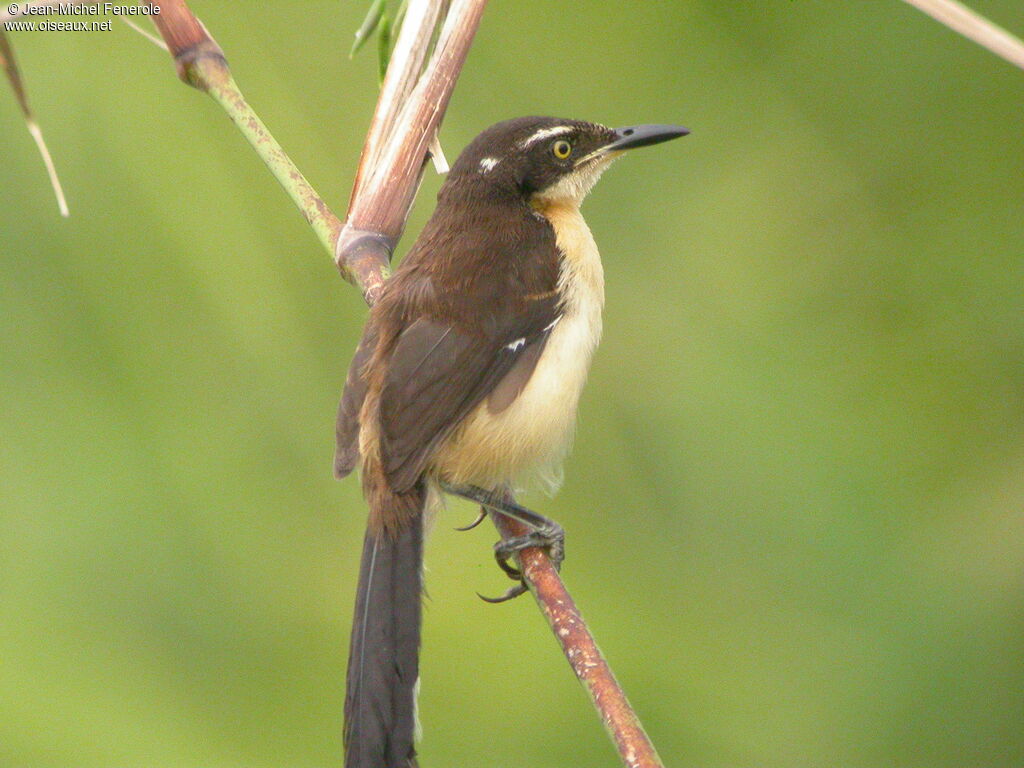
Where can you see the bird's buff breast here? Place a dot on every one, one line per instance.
(527, 441)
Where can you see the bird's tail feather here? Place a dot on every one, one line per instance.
(383, 664)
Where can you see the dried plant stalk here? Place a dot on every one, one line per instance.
(403, 72)
(400, 134)
(974, 26)
(10, 67)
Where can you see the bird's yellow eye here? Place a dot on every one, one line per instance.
(561, 149)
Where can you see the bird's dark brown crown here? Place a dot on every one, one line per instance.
(526, 155)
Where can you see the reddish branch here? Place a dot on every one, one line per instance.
(412, 103)
(580, 648)
(186, 38)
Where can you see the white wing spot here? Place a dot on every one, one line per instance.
(516, 345)
(552, 324)
(487, 164)
(544, 133)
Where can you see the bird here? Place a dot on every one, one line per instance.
(466, 381)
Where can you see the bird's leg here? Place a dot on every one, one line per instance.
(545, 534)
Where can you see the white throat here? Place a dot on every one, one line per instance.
(574, 186)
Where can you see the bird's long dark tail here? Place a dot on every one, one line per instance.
(383, 662)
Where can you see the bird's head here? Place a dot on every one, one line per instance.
(548, 160)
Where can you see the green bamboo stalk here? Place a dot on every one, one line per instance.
(201, 63)
(225, 91)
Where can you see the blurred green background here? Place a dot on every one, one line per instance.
(795, 503)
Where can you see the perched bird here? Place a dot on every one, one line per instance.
(467, 380)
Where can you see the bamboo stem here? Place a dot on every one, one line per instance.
(201, 63)
(408, 114)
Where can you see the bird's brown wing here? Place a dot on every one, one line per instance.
(439, 371)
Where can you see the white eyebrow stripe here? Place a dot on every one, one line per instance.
(488, 163)
(544, 133)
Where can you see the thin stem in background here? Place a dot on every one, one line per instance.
(974, 26)
(10, 67)
(145, 33)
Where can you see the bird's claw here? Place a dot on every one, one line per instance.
(544, 533)
(550, 538)
(510, 594)
(475, 523)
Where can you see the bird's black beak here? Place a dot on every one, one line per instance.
(644, 135)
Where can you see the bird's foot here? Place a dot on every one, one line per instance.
(546, 534)
(549, 537)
